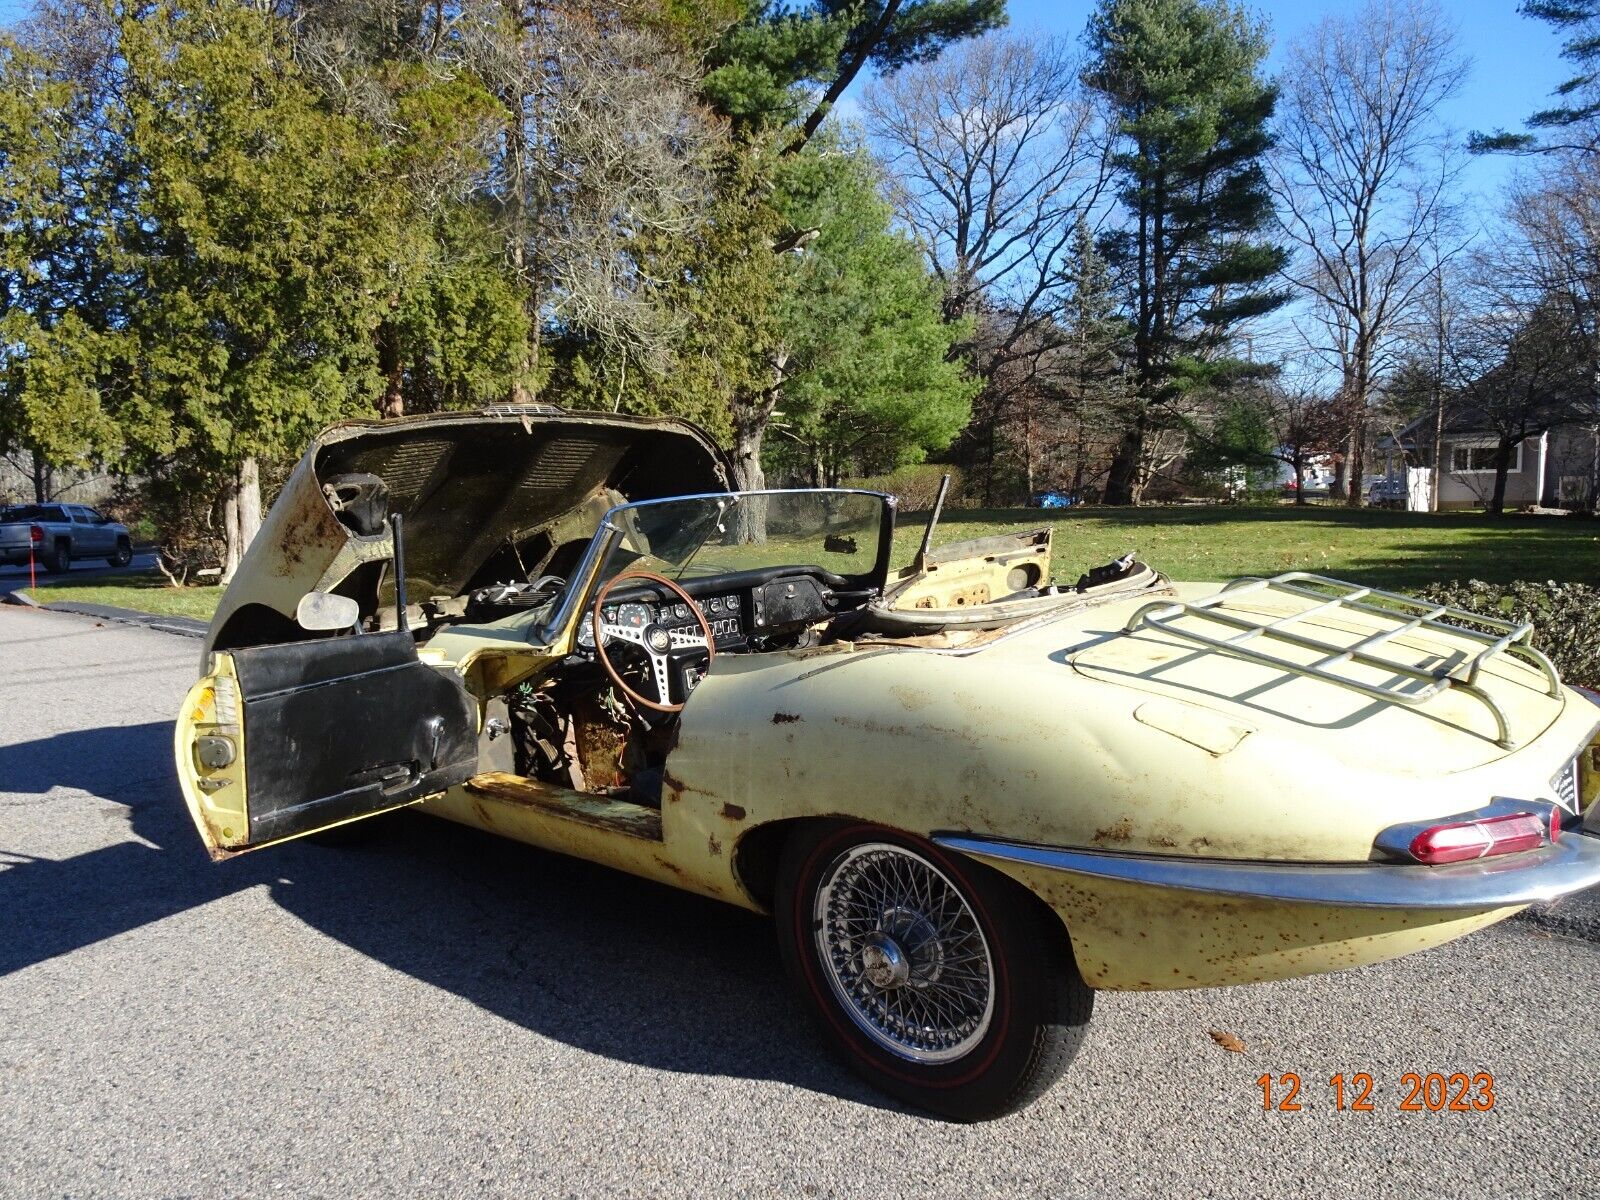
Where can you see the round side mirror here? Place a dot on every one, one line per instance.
(323, 611)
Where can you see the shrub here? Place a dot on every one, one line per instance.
(1565, 616)
(918, 486)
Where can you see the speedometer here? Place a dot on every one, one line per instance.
(633, 616)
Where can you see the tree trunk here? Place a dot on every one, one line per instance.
(241, 516)
(1502, 466)
(1299, 481)
(231, 551)
(393, 401)
(1355, 454)
(1027, 448)
(1123, 482)
(41, 479)
(750, 417)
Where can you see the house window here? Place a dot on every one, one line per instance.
(1479, 459)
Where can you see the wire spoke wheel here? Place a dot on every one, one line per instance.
(904, 953)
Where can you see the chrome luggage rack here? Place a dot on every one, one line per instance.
(1407, 613)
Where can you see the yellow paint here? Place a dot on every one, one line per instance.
(218, 809)
(1059, 731)
(1136, 938)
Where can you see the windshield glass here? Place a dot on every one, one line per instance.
(689, 538)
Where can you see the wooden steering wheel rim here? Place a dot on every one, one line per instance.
(600, 641)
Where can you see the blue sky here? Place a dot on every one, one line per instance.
(1515, 61)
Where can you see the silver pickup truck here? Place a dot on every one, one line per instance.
(55, 534)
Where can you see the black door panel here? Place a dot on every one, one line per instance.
(347, 727)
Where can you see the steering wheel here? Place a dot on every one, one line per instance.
(658, 642)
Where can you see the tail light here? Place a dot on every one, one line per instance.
(1464, 840)
(36, 533)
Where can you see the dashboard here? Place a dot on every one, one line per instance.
(738, 608)
(725, 613)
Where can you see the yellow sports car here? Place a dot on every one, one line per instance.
(971, 792)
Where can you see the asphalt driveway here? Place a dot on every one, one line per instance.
(444, 1012)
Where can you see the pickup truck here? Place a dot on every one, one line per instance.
(55, 534)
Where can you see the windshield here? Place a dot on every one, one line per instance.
(842, 532)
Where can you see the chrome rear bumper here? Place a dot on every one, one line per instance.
(1569, 866)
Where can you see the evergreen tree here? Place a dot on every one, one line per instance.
(1573, 119)
(1183, 80)
(764, 68)
(867, 382)
(1095, 348)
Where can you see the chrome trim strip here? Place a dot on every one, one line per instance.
(1514, 879)
(582, 581)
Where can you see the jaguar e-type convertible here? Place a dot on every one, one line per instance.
(970, 790)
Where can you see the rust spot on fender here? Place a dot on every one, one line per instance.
(783, 718)
(714, 847)
(677, 787)
(910, 698)
(1122, 831)
(733, 812)
(671, 867)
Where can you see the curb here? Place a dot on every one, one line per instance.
(181, 626)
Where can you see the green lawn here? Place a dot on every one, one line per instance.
(1387, 549)
(144, 591)
(1215, 542)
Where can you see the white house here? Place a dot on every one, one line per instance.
(1554, 468)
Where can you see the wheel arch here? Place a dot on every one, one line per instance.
(757, 853)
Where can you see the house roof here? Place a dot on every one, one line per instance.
(1467, 419)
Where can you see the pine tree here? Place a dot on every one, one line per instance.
(1183, 80)
(1576, 114)
(1095, 348)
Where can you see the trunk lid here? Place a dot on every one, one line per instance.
(1412, 684)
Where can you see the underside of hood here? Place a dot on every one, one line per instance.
(478, 488)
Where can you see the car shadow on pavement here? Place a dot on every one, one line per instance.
(593, 958)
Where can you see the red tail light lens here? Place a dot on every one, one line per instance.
(1465, 840)
(36, 533)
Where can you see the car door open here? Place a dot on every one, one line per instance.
(279, 741)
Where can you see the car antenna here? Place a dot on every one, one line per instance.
(921, 561)
(400, 621)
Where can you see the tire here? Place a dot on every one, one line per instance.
(997, 958)
(124, 554)
(59, 560)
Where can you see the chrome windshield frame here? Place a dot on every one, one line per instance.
(586, 578)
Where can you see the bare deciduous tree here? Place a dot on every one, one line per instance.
(1362, 180)
(998, 151)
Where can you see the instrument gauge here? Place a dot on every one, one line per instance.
(633, 616)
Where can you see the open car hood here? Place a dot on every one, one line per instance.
(485, 495)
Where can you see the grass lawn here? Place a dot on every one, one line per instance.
(1380, 547)
(1383, 548)
(143, 591)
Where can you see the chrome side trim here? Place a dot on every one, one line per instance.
(1515, 879)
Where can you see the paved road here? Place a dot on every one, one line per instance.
(449, 1013)
(80, 572)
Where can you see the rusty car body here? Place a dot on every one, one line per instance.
(969, 796)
